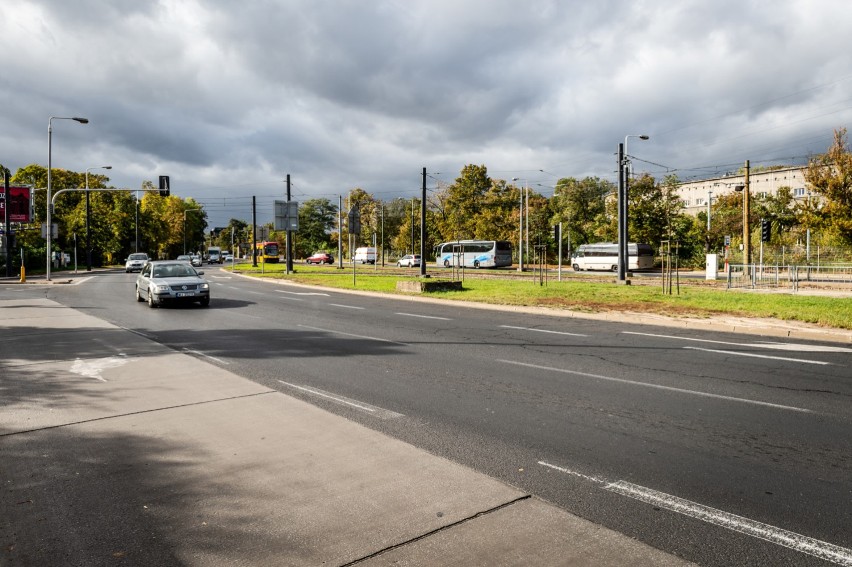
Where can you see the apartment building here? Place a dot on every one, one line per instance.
(695, 194)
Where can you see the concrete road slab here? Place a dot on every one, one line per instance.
(528, 532)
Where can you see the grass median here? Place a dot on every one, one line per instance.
(694, 300)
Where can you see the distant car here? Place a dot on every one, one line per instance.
(228, 257)
(320, 258)
(195, 260)
(409, 261)
(184, 258)
(170, 281)
(135, 262)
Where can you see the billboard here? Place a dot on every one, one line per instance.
(19, 204)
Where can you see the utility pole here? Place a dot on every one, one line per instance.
(622, 217)
(289, 241)
(746, 213)
(253, 231)
(520, 230)
(7, 228)
(340, 232)
(423, 228)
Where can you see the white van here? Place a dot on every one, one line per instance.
(365, 255)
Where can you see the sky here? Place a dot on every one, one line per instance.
(228, 98)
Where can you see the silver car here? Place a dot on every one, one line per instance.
(170, 281)
(135, 262)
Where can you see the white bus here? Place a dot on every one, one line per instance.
(474, 254)
(604, 256)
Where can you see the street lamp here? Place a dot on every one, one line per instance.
(88, 218)
(184, 227)
(624, 175)
(49, 164)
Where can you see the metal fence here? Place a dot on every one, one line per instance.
(775, 276)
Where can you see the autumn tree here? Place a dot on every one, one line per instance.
(830, 176)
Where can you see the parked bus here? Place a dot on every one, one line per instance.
(604, 256)
(267, 252)
(474, 253)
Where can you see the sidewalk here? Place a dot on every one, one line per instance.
(119, 451)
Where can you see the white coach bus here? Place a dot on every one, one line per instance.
(604, 256)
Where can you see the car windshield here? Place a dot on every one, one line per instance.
(173, 271)
(138, 257)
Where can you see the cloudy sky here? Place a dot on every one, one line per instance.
(229, 97)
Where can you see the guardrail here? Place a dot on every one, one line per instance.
(765, 276)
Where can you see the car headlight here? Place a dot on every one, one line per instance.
(162, 288)
(204, 286)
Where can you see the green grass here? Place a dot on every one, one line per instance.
(695, 300)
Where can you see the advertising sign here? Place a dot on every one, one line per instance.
(19, 204)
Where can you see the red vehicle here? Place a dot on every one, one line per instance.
(320, 258)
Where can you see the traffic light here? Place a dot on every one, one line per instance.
(164, 186)
(765, 230)
(556, 233)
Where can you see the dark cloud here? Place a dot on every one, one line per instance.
(229, 97)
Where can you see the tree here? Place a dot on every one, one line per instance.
(580, 205)
(830, 176)
(317, 220)
(463, 202)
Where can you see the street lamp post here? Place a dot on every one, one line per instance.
(624, 195)
(184, 227)
(88, 219)
(49, 230)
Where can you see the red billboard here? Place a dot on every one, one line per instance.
(19, 204)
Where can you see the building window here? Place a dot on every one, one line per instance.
(799, 192)
(699, 202)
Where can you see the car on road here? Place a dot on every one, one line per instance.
(171, 281)
(184, 258)
(196, 260)
(320, 258)
(135, 262)
(409, 261)
(228, 257)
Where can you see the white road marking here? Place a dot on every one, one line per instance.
(351, 335)
(766, 356)
(381, 413)
(423, 316)
(93, 368)
(543, 331)
(594, 479)
(791, 540)
(302, 292)
(346, 306)
(769, 345)
(803, 348)
(81, 280)
(658, 386)
(204, 355)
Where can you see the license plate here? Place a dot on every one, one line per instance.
(185, 294)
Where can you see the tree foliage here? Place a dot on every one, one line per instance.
(830, 175)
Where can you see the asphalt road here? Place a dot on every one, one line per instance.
(723, 449)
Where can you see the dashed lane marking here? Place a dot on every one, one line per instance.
(543, 331)
(376, 411)
(658, 386)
